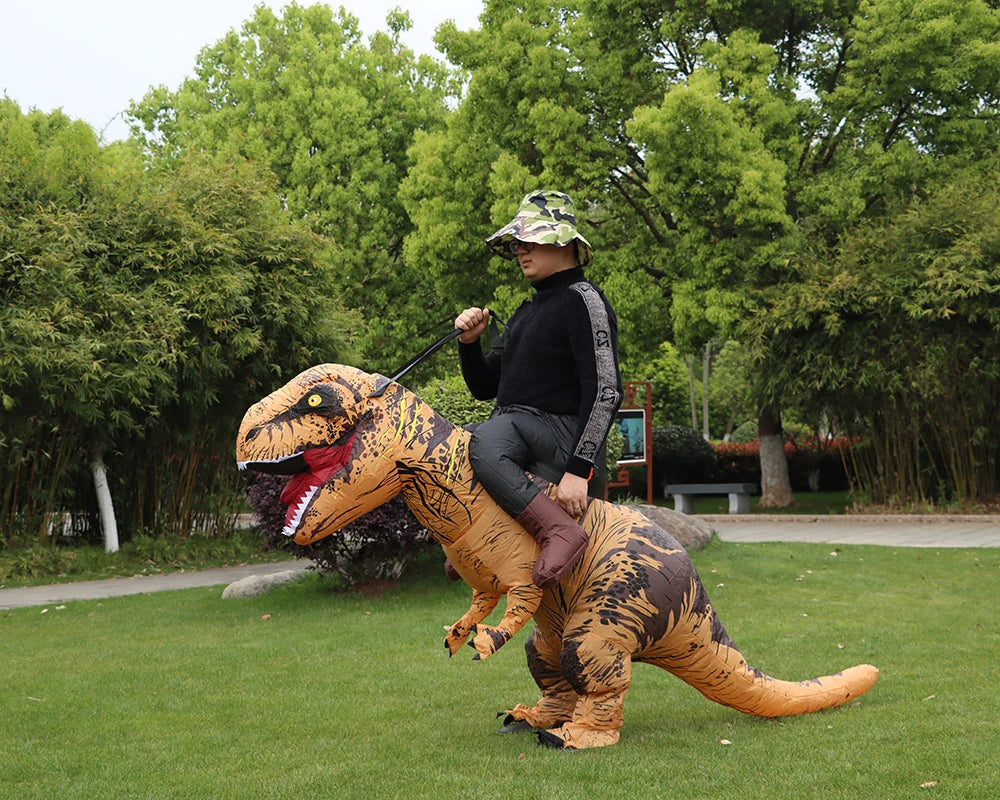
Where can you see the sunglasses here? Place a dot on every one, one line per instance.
(516, 244)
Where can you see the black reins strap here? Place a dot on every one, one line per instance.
(495, 341)
(417, 359)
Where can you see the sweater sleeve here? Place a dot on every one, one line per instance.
(594, 334)
(481, 371)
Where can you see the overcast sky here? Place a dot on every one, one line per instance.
(92, 57)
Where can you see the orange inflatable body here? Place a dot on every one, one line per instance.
(635, 596)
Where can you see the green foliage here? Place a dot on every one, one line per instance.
(715, 149)
(681, 455)
(668, 377)
(729, 387)
(450, 397)
(897, 329)
(301, 95)
(72, 559)
(141, 311)
(615, 444)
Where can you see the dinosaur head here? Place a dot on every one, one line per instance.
(325, 430)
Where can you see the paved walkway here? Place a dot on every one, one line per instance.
(891, 531)
(119, 587)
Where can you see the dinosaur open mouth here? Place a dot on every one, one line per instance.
(322, 463)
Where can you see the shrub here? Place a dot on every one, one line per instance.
(813, 463)
(681, 455)
(451, 399)
(376, 546)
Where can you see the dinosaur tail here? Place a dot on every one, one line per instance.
(713, 665)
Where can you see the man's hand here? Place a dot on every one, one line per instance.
(472, 322)
(572, 494)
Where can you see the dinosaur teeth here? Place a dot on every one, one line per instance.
(295, 518)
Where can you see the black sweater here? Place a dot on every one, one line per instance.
(560, 355)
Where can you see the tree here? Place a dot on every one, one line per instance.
(141, 311)
(332, 119)
(895, 330)
(708, 142)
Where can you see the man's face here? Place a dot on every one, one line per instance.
(543, 260)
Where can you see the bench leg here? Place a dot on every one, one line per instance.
(683, 503)
(739, 503)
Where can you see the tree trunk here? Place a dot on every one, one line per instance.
(109, 526)
(706, 361)
(694, 399)
(775, 485)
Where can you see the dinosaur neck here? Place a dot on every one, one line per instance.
(432, 463)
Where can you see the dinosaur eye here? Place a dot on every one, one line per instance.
(314, 400)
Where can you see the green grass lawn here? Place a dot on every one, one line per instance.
(303, 693)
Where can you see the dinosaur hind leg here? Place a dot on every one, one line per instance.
(558, 699)
(600, 670)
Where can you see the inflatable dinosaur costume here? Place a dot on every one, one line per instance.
(635, 596)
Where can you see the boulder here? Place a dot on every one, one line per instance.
(691, 532)
(253, 585)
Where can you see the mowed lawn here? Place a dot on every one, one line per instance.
(304, 693)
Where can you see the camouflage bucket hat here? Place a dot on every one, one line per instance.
(545, 217)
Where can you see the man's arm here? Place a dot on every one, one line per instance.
(594, 337)
(480, 371)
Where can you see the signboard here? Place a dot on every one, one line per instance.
(632, 426)
(635, 422)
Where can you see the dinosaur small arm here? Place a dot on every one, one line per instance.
(634, 597)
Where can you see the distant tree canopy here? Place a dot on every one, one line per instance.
(714, 146)
(332, 119)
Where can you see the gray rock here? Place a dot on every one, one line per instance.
(253, 585)
(691, 532)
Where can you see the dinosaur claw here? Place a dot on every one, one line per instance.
(547, 739)
(512, 725)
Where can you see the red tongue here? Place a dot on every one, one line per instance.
(322, 462)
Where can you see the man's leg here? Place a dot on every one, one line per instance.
(499, 450)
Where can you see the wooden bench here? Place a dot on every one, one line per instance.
(739, 495)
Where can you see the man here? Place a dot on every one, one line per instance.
(555, 379)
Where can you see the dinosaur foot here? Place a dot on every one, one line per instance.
(486, 641)
(572, 736)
